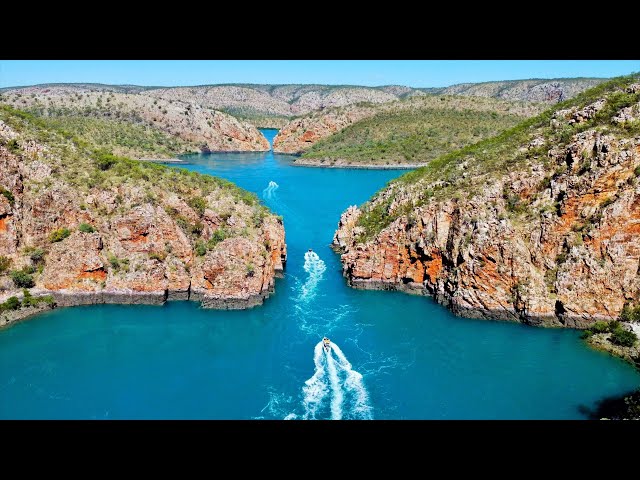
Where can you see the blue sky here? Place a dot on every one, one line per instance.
(415, 73)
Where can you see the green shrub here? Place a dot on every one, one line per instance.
(5, 263)
(36, 254)
(28, 300)
(48, 299)
(561, 258)
(607, 202)
(201, 248)
(513, 202)
(86, 228)
(623, 337)
(258, 217)
(198, 204)
(22, 278)
(29, 269)
(545, 183)
(59, 235)
(636, 171)
(12, 303)
(104, 160)
(114, 261)
(218, 236)
(158, 256)
(600, 327)
(586, 334)
(8, 195)
(13, 145)
(183, 223)
(630, 313)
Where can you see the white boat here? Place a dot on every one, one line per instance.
(326, 343)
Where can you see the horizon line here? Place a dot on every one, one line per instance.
(151, 87)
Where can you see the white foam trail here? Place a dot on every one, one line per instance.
(269, 191)
(336, 388)
(315, 389)
(354, 384)
(315, 267)
(338, 381)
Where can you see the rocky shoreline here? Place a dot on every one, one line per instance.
(161, 160)
(9, 318)
(318, 163)
(64, 299)
(134, 233)
(501, 314)
(551, 240)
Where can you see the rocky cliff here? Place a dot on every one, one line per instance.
(89, 227)
(538, 225)
(201, 127)
(302, 133)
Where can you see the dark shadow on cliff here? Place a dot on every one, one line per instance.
(619, 407)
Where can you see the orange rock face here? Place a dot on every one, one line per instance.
(574, 259)
(148, 245)
(300, 134)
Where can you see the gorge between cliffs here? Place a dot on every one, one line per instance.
(181, 361)
(524, 212)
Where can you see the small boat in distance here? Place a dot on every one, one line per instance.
(310, 250)
(326, 343)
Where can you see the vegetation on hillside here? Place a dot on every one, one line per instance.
(257, 118)
(122, 137)
(83, 166)
(493, 157)
(410, 136)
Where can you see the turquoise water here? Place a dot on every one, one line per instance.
(408, 358)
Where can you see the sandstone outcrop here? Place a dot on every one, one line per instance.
(133, 233)
(540, 228)
(300, 134)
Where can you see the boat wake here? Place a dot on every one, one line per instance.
(354, 384)
(315, 389)
(335, 390)
(269, 192)
(315, 268)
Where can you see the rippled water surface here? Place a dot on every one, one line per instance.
(394, 356)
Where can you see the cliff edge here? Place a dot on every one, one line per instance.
(86, 226)
(537, 225)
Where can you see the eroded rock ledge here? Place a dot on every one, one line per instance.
(555, 244)
(130, 233)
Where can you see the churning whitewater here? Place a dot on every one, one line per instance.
(335, 389)
(268, 192)
(315, 267)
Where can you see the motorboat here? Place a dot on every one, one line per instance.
(326, 343)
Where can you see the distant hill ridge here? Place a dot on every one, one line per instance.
(289, 100)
